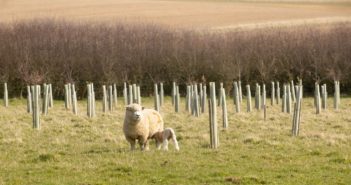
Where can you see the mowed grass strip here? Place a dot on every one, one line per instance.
(77, 150)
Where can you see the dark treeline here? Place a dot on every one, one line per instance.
(57, 52)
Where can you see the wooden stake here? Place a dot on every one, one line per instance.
(162, 94)
(213, 116)
(197, 105)
(29, 100)
(284, 100)
(104, 99)
(45, 99)
(220, 94)
(110, 98)
(318, 99)
(134, 89)
(74, 100)
(51, 99)
(139, 95)
(177, 99)
(130, 96)
(248, 96)
(236, 97)
(278, 93)
(204, 99)
(36, 109)
(292, 88)
(6, 96)
(240, 92)
(173, 92)
(224, 109)
(264, 95)
(93, 99)
(89, 101)
(125, 93)
(157, 100)
(272, 94)
(115, 95)
(188, 99)
(288, 100)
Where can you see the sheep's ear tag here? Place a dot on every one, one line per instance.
(142, 108)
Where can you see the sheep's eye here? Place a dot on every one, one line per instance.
(131, 110)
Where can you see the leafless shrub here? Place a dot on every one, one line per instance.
(59, 52)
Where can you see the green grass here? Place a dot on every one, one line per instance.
(77, 150)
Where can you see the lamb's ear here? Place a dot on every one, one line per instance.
(126, 107)
(142, 108)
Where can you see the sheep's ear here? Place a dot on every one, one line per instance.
(142, 108)
(126, 107)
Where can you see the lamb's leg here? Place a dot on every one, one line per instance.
(166, 134)
(132, 143)
(158, 139)
(165, 144)
(174, 138)
(158, 144)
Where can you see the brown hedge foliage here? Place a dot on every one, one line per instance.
(52, 51)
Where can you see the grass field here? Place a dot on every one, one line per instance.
(197, 14)
(77, 150)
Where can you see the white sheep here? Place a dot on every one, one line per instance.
(166, 135)
(141, 124)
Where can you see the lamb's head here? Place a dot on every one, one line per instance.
(134, 112)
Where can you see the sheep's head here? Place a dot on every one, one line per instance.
(134, 111)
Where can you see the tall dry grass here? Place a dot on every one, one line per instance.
(58, 51)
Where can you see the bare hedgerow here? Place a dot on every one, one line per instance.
(56, 51)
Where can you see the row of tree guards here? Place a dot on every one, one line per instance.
(34, 96)
(195, 100)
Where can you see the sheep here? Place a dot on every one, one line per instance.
(141, 124)
(166, 135)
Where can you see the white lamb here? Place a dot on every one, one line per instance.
(141, 124)
(166, 135)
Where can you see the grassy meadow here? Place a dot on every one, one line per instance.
(71, 149)
(77, 150)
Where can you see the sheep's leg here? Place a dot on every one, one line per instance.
(143, 142)
(132, 143)
(146, 145)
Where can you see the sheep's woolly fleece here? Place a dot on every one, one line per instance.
(141, 124)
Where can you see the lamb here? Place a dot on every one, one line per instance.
(166, 135)
(142, 124)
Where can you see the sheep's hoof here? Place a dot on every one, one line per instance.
(145, 149)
